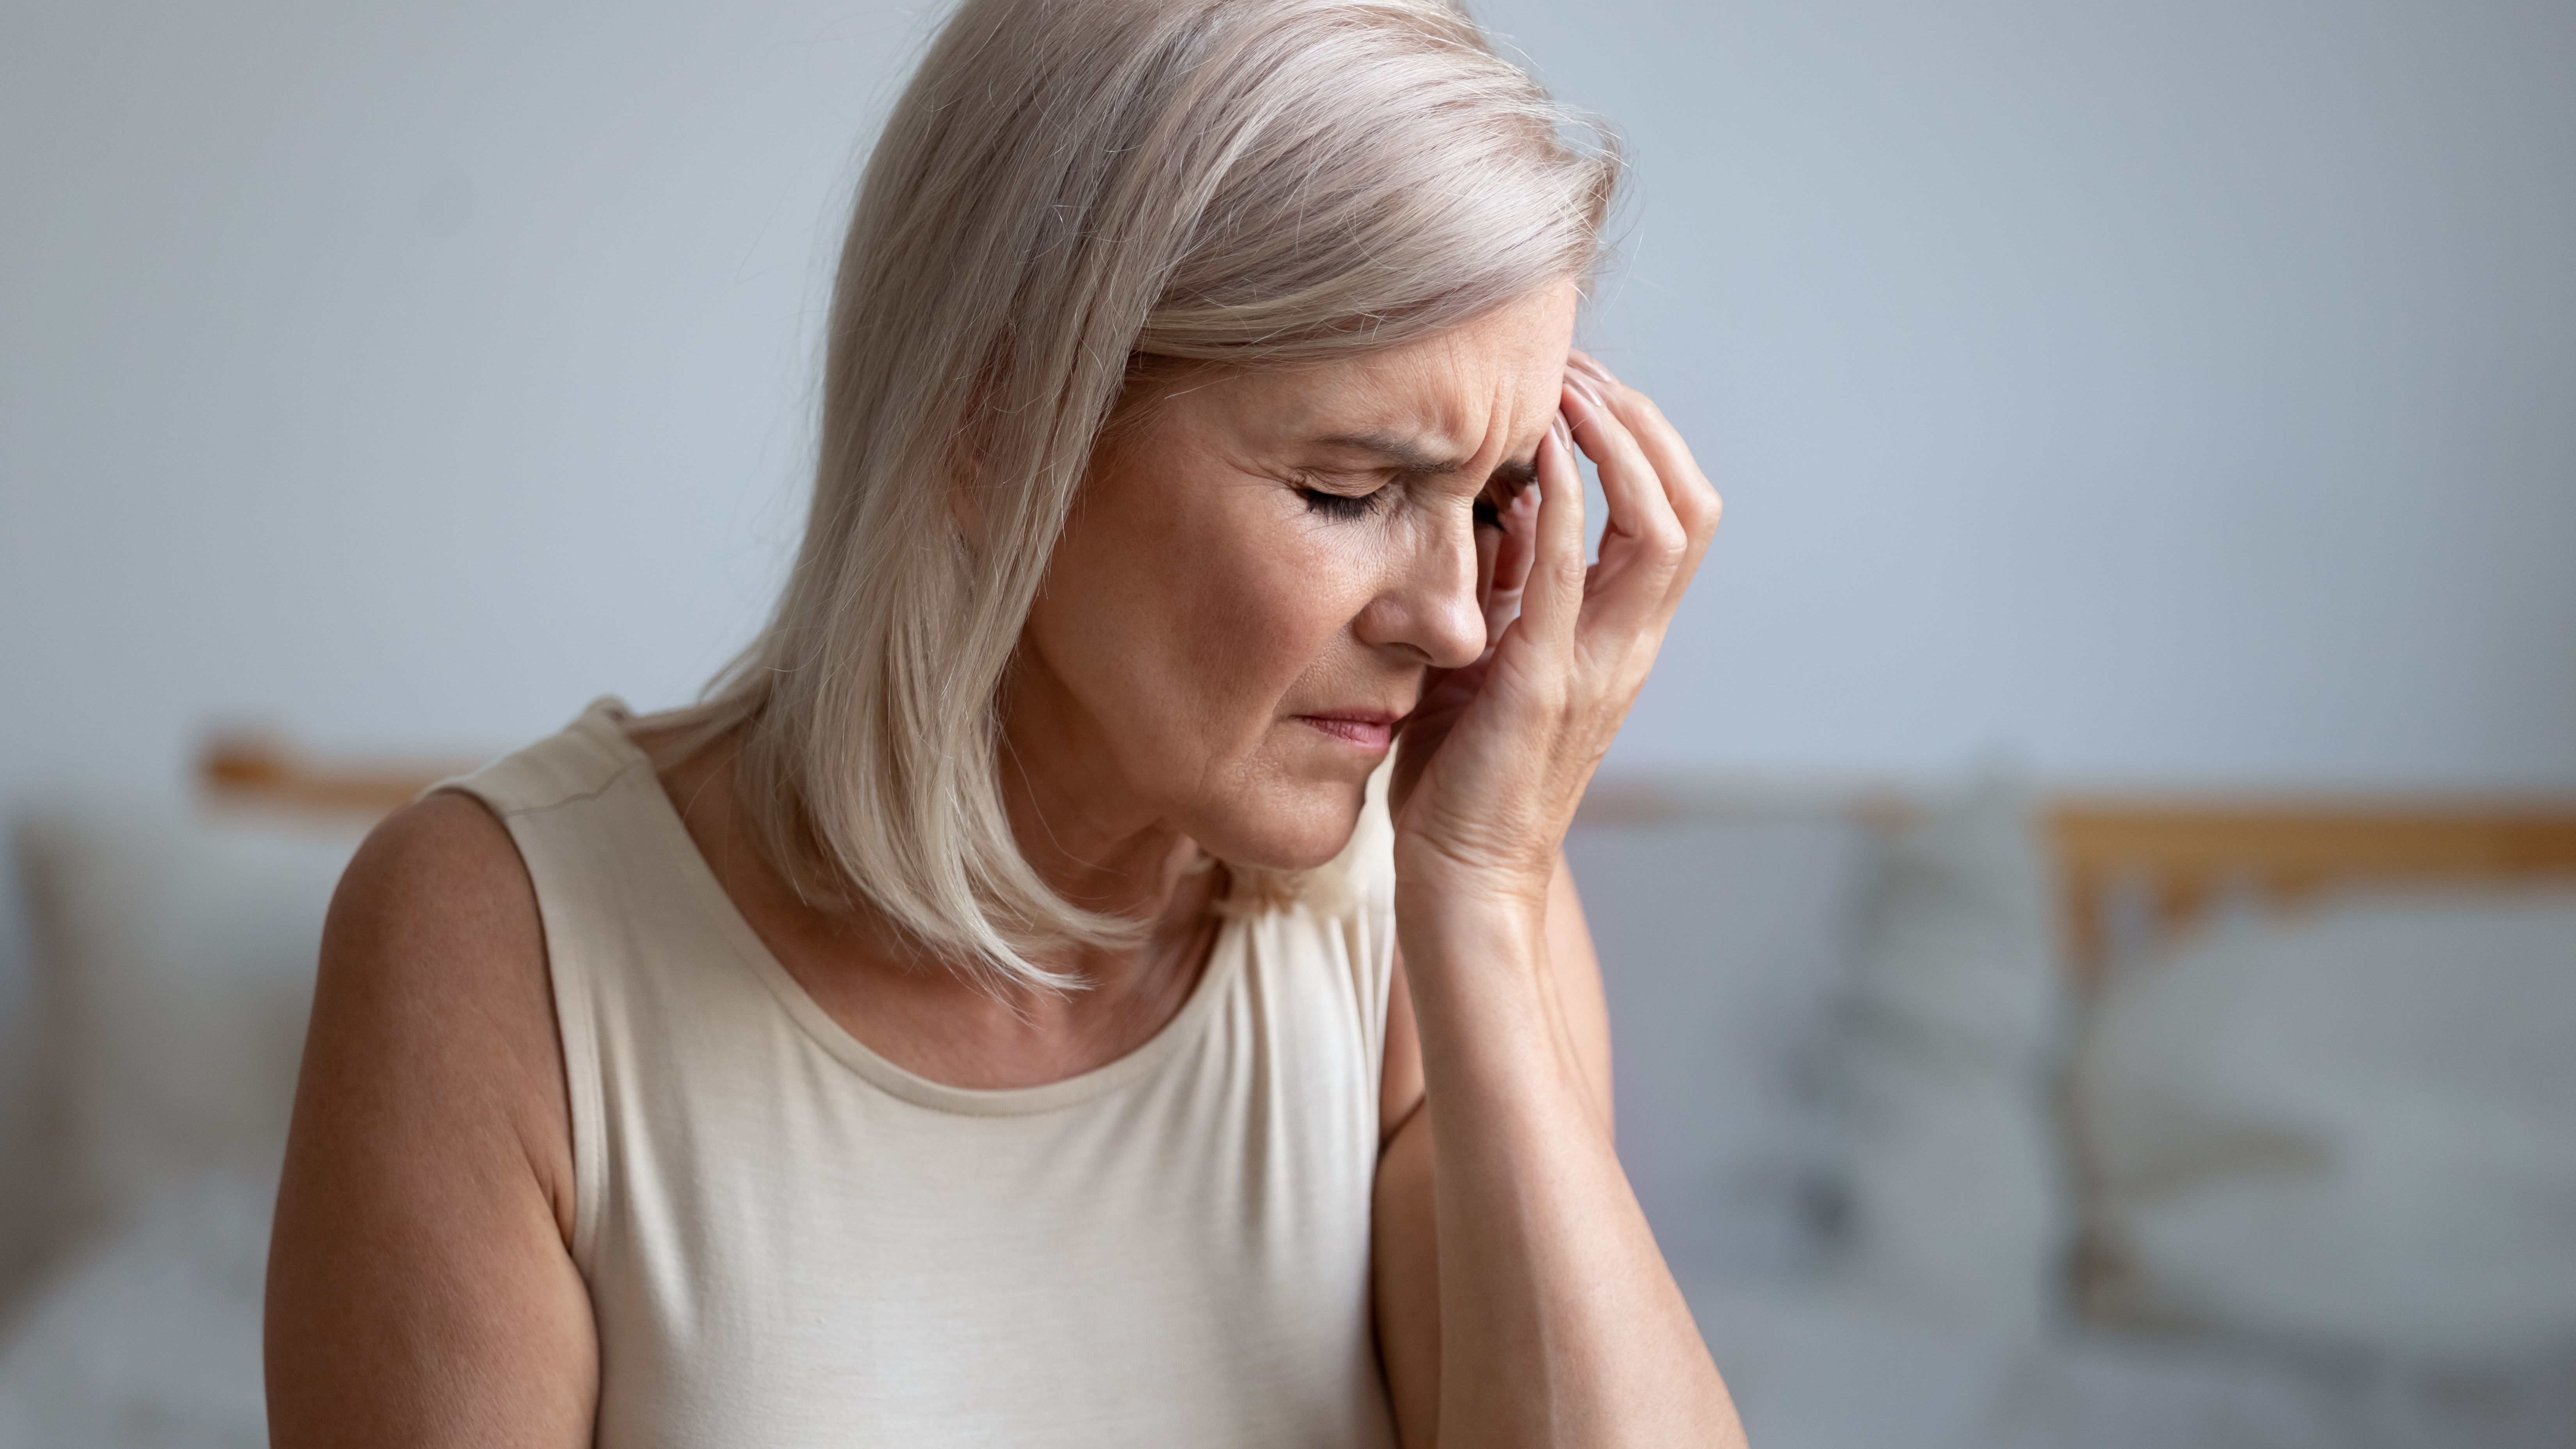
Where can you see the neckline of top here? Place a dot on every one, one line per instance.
(604, 723)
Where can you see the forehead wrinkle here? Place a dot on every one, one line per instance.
(1469, 382)
(1433, 446)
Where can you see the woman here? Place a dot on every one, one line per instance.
(1017, 1007)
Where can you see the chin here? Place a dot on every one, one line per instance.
(1285, 824)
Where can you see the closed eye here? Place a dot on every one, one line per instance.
(1344, 507)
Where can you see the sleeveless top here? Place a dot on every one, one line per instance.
(790, 1241)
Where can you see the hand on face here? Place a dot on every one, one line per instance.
(1491, 764)
(1270, 566)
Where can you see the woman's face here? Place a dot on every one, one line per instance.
(1257, 578)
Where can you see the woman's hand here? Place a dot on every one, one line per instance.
(1492, 763)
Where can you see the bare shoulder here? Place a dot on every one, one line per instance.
(434, 970)
(441, 864)
(421, 1285)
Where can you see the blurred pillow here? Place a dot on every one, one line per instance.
(150, 1338)
(175, 961)
(2353, 1129)
(1721, 943)
(1943, 1060)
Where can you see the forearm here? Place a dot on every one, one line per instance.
(1558, 1320)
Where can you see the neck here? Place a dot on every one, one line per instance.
(939, 1022)
(1141, 870)
(1116, 862)
(1147, 875)
(1082, 827)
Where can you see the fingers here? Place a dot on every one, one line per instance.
(1553, 596)
(1694, 502)
(1643, 546)
(1639, 505)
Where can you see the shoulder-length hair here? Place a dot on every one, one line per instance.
(1073, 194)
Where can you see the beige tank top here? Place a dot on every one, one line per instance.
(789, 1240)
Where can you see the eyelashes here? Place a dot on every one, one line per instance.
(1353, 507)
(1342, 507)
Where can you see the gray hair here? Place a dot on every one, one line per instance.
(1072, 194)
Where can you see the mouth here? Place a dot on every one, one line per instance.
(1367, 729)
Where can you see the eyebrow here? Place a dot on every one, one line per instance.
(1410, 458)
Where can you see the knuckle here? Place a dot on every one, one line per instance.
(1566, 702)
(1547, 695)
(1639, 410)
(1699, 509)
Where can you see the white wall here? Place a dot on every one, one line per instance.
(2179, 390)
(406, 375)
(2182, 390)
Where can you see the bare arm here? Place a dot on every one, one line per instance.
(1406, 1237)
(1521, 1297)
(420, 1291)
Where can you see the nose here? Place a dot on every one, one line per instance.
(1427, 608)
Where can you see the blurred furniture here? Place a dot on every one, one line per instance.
(268, 770)
(2172, 862)
(2317, 1029)
(176, 945)
(2159, 863)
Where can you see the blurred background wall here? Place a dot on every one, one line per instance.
(2175, 392)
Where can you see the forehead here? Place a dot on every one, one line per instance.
(1477, 392)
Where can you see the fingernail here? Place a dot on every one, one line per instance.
(1564, 436)
(1589, 367)
(1584, 389)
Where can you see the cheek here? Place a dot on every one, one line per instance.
(1183, 620)
(1270, 597)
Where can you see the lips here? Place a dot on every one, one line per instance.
(1366, 729)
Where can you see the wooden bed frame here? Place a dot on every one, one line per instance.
(265, 770)
(2171, 859)
(2175, 860)
(2132, 869)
